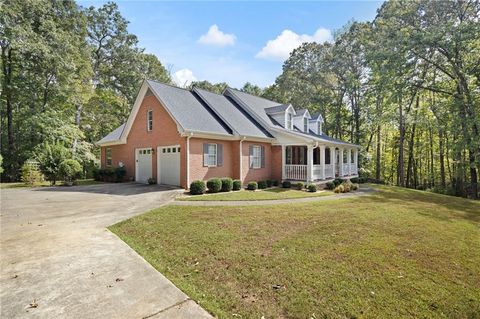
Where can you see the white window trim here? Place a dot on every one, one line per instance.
(212, 157)
(108, 157)
(149, 120)
(305, 124)
(289, 121)
(256, 156)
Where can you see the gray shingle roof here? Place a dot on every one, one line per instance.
(276, 109)
(232, 114)
(301, 112)
(113, 135)
(188, 110)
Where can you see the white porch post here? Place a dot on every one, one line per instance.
(340, 162)
(284, 161)
(355, 159)
(332, 160)
(322, 161)
(309, 163)
(349, 161)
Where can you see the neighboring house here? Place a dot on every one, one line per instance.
(178, 136)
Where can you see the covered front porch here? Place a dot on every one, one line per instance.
(318, 163)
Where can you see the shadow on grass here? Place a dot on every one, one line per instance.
(460, 208)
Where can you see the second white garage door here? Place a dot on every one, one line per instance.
(168, 165)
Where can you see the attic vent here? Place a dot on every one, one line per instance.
(149, 92)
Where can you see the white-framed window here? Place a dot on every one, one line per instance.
(256, 156)
(149, 120)
(305, 124)
(108, 156)
(289, 121)
(319, 128)
(210, 155)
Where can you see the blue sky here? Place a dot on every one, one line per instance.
(234, 42)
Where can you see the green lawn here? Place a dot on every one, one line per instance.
(397, 253)
(266, 194)
(46, 183)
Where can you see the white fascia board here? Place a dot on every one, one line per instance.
(110, 143)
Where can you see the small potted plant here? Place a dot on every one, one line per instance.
(152, 181)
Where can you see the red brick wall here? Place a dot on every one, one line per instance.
(277, 162)
(164, 133)
(200, 172)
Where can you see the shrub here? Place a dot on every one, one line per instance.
(362, 180)
(339, 189)
(298, 186)
(120, 173)
(50, 156)
(197, 188)
(312, 188)
(274, 182)
(70, 170)
(347, 186)
(30, 174)
(354, 180)
(214, 185)
(262, 184)
(227, 184)
(269, 182)
(237, 185)
(286, 184)
(252, 186)
(108, 174)
(338, 181)
(151, 181)
(354, 187)
(330, 185)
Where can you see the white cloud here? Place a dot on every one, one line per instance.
(287, 41)
(216, 37)
(184, 77)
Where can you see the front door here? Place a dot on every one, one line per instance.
(143, 164)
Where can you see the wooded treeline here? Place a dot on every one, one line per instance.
(405, 86)
(69, 76)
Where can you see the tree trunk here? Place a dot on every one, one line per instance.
(400, 168)
(442, 158)
(379, 153)
(10, 158)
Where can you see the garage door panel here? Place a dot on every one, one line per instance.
(143, 164)
(169, 165)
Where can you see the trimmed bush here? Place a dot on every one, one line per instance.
(237, 185)
(286, 184)
(298, 186)
(312, 188)
(152, 181)
(197, 188)
(262, 184)
(227, 184)
(362, 180)
(214, 185)
(70, 170)
(120, 173)
(354, 180)
(330, 185)
(274, 183)
(269, 182)
(252, 186)
(355, 187)
(338, 181)
(347, 186)
(339, 189)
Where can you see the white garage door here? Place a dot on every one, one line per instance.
(168, 165)
(143, 164)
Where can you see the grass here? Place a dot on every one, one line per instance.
(45, 183)
(266, 194)
(397, 253)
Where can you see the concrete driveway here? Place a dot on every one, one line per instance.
(57, 254)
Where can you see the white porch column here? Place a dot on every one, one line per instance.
(340, 162)
(309, 163)
(355, 159)
(332, 160)
(284, 161)
(349, 161)
(322, 161)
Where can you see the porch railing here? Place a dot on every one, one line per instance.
(296, 172)
(317, 172)
(329, 173)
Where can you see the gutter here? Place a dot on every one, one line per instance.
(187, 166)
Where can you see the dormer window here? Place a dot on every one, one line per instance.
(319, 129)
(289, 121)
(305, 124)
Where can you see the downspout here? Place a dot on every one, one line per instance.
(241, 161)
(187, 166)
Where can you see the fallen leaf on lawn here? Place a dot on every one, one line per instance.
(33, 304)
(119, 279)
(109, 286)
(15, 276)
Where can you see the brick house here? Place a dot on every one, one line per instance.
(177, 136)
